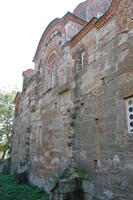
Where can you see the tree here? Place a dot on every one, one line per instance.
(6, 120)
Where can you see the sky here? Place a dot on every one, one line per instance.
(22, 23)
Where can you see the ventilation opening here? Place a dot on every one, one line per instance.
(129, 111)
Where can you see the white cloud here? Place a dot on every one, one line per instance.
(22, 23)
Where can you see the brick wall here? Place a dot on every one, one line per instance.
(82, 120)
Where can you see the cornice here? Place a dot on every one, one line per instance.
(68, 16)
(108, 15)
(83, 32)
(96, 23)
(53, 23)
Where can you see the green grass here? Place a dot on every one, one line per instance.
(9, 190)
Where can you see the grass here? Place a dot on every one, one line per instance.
(9, 190)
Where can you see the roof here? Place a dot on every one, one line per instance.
(92, 8)
(93, 23)
(68, 16)
(96, 23)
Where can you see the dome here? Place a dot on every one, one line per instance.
(92, 8)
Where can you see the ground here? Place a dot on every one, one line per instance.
(9, 190)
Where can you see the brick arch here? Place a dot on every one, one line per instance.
(51, 58)
(58, 24)
(55, 25)
(50, 69)
(54, 50)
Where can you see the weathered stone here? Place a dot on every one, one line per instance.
(75, 103)
(88, 187)
(63, 88)
(108, 195)
(67, 186)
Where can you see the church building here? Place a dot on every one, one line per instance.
(75, 112)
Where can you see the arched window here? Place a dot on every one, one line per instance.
(50, 73)
(80, 61)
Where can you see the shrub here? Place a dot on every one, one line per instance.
(9, 190)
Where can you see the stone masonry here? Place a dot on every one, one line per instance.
(72, 113)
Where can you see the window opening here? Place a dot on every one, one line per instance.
(80, 61)
(129, 109)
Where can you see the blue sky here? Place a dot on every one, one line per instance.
(22, 24)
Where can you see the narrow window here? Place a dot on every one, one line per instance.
(95, 164)
(129, 109)
(80, 61)
(50, 73)
(53, 79)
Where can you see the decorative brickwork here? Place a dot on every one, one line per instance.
(28, 73)
(97, 23)
(64, 20)
(73, 118)
(83, 32)
(92, 8)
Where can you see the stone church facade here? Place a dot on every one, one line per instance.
(76, 107)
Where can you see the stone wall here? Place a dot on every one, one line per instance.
(102, 141)
(81, 121)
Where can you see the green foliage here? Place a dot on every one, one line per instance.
(6, 119)
(9, 190)
(80, 173)
(70, 172)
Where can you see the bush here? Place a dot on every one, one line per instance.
(9, 190)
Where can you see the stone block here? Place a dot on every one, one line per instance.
(67, 186)
(63, 88)
(88, 187)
